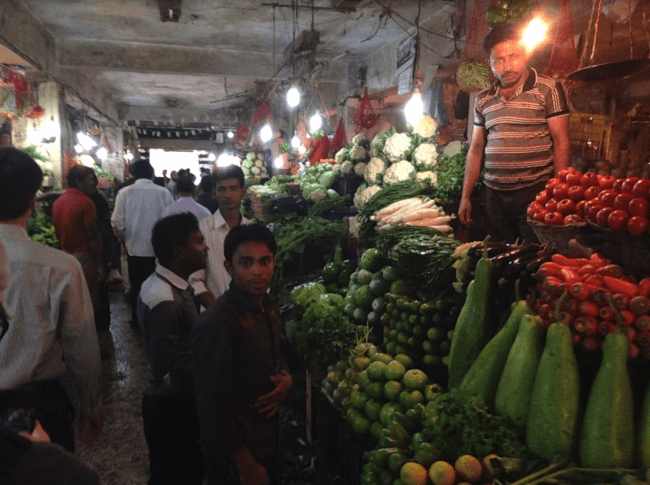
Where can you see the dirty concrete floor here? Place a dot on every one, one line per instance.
(120, 454)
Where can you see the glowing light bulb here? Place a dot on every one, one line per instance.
(266, 133)
(315, 122)
(278, 162)
(414, 109)
(534, 33)
(293, 97)
(86, 142)
(295, 142)
(230, 134)
(212, 157)
(79, 149)
(129, 156)
(102, 153)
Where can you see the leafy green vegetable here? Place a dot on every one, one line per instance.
(102, 173)
(301, 294)
(451, 171)
(33, 151)
(460, 426)
(330, 203)
(40, 229)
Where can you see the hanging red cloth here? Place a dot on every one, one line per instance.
(564, 57)
(478, 30)
(339, 140)
(261, 113)
(321, 151)
(365, 116)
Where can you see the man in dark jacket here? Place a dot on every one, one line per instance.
(241, 379)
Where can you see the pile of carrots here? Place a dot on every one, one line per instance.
(594, 298)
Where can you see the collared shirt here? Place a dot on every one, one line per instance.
(236, 349)
(519, 148)
(53, 327)
(70, 214)
(166, 312)
(137, 209)
(214, 277)
(186, 204)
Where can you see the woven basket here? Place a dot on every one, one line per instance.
(559, 236)
(627, 250)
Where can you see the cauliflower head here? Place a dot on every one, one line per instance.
(317, 195)
(363, 195)
(254, 170)
(360, 139)
(259, 163)
(426, 154)
(426, 127)
(428, 175)
(452, 148)
(250, 156)
(374, 170)
(341, 156)
(398, 172)
(396, 147)
(346, 167)
(358, 153)
(360, 169)
(354, 226)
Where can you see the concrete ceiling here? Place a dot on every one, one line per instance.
(222, 55)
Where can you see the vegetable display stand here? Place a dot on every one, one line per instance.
(559, 236)
(627, 250)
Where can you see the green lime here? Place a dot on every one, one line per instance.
(405, 360)
(389, 273)
(375, 390)
(392, 390)
(394, 371)
(415, 379)
(408, 399)
(376, 370)
(375, 429)
(381, 357)
(372, 408)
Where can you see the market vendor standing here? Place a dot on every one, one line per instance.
(240, 377)
(521, 127)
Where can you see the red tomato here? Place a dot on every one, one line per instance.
(572, 219)
(622, 201)
(562, 175)
(641, 189)
(618, 185)
(550, 185)
(618, 220)
(603, 215)
(551, 205)
(560, 191)
(543, 197)
(576, 192)
(606, 181)
(628, 184)
(637, 225)
(580, 207)
(638, 207)
(532, 208)
(554, 218)
(566, 207)
(592, 210)
(589, 179)
(539, 215)
(573, 178)
(607, 197)
(591, 192)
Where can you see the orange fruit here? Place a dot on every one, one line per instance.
(468, 468)
(414, 474)
(442, 473)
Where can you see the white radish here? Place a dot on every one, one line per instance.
(436, 221)
(391, 208)
(423, 214)
(407, 209)
(444, 228)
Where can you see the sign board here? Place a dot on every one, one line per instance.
(405, 54)
(404, 84)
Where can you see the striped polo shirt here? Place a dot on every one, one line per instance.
(519, 147)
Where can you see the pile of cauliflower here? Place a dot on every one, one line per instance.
(253, 166)
(394, 157)
(316, 180)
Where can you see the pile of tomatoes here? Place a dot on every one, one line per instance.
(573, 197)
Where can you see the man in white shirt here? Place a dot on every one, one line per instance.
(137, 209)
(211, 283)
(52, 329)
(171, 185)
(185, 202)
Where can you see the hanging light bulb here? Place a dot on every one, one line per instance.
(79, 149)
(295, 142)
(212, 157)
(278, 162)
(315, 122)
(102, 154)
(86, 142)
(129, 156)
(414, 109)
(293, 97)
(534, 34)
(230, 134)
(266, 133)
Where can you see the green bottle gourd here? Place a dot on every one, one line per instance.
(552, 423)
(607, 439)
(482, 378)
(472, 329)
(518, 376)
(644, 431)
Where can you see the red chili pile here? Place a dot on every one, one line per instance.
(594, 298)
(571, 197)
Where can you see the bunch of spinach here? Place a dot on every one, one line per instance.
(451, 171)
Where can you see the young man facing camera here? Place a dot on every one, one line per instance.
(521, 127)
(166, 312)
(231, 191)
(241, 379)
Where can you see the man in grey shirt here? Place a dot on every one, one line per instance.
(166, 314)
